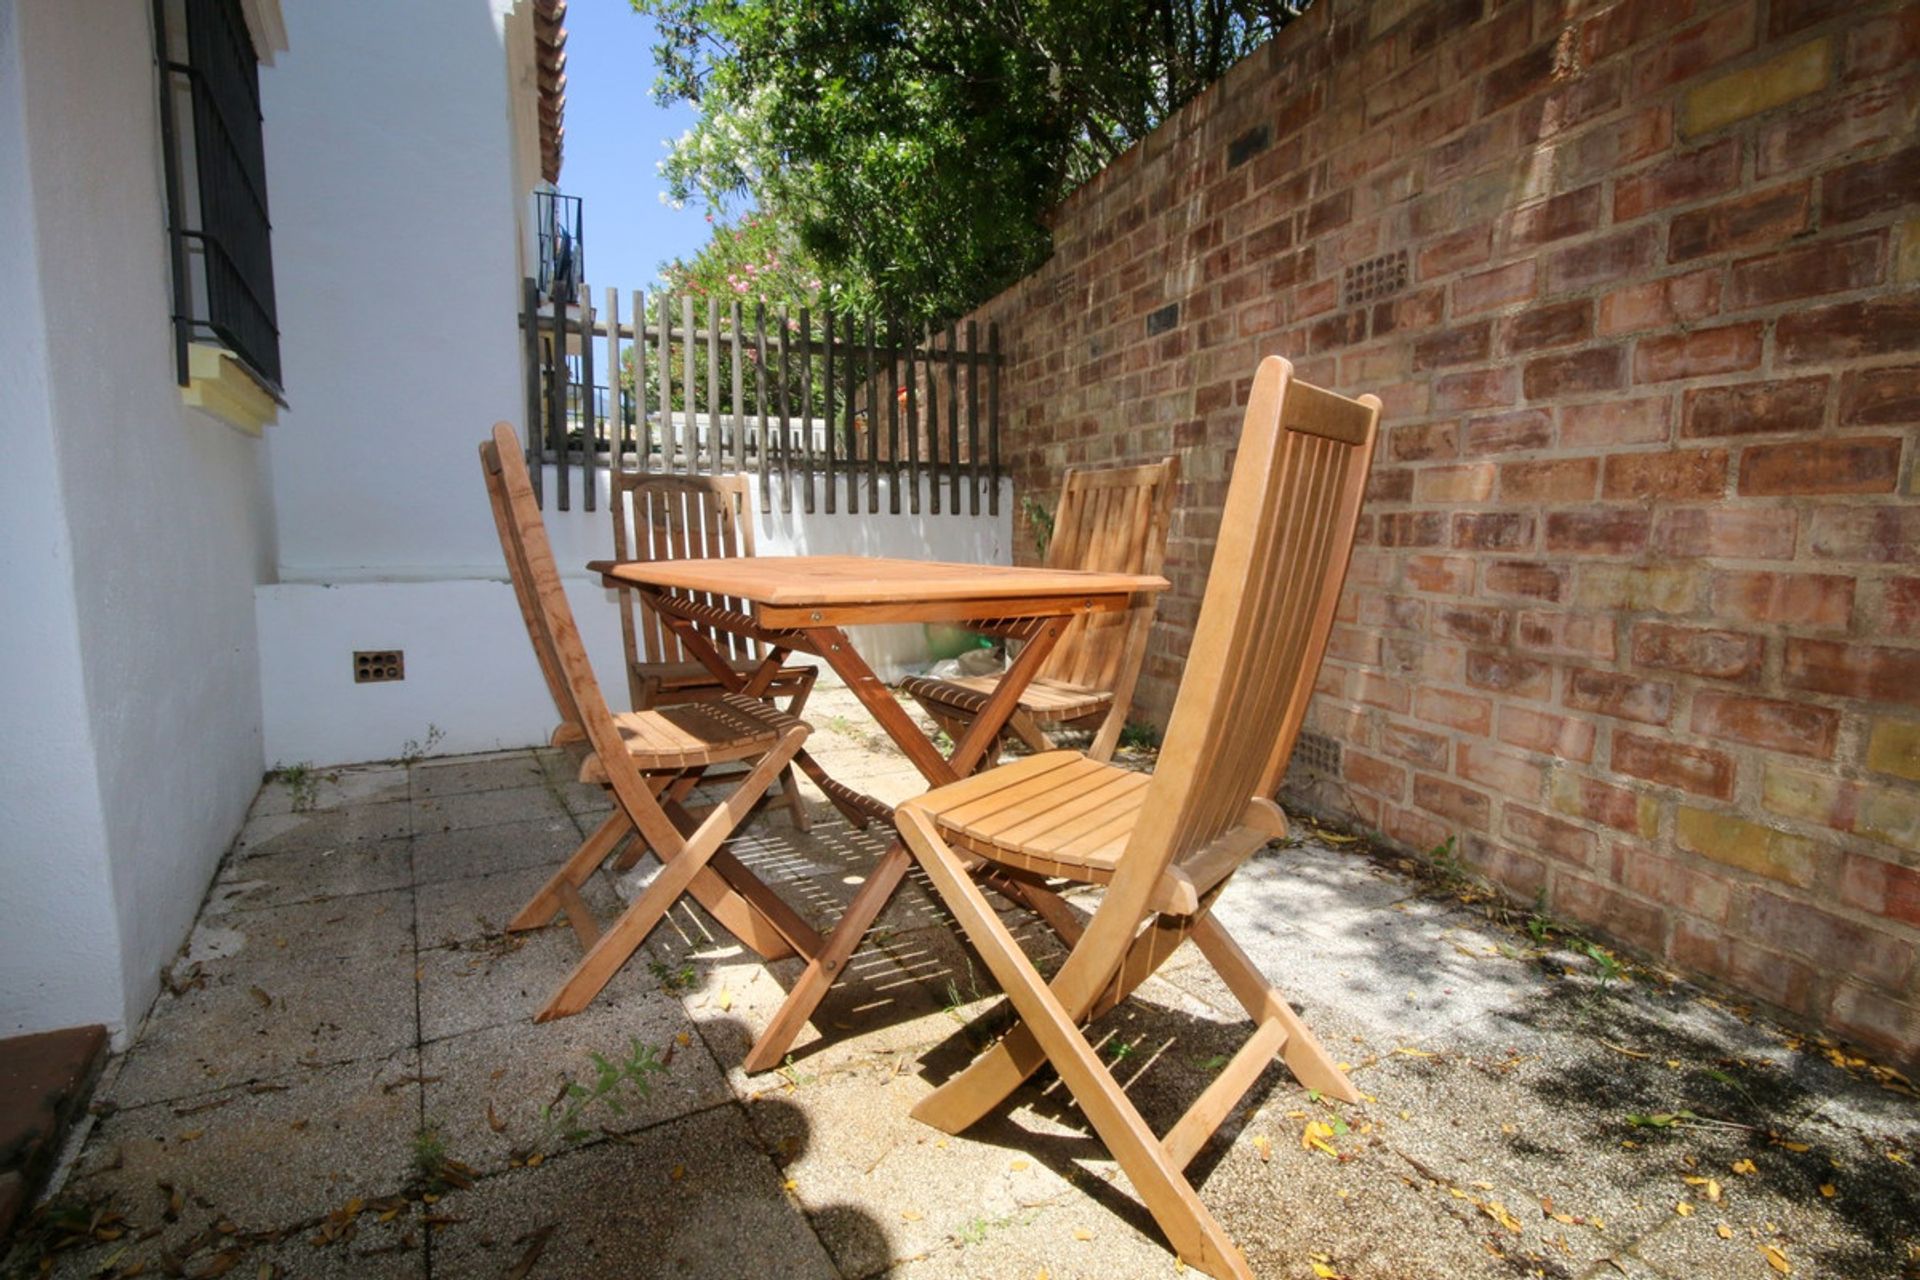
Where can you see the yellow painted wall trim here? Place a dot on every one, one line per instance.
(220, 385)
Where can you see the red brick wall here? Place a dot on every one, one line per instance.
(1636, 613)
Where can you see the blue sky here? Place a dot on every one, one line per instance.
(614, 136)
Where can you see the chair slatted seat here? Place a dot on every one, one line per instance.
(648, 761)
(687, 517)
(1113, 519)
(1164, 846)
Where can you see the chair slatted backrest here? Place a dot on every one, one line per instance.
(1286, 536)
(554, 634)
(666, 517)
(1111, 520)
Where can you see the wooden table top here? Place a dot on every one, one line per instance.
(802, 590)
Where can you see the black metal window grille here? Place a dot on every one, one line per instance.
(220, 234)
(563, 251)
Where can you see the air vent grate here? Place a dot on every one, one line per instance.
(374, 666)
(1379, 277)
(1317, 752)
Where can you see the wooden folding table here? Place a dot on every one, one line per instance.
(802, 604)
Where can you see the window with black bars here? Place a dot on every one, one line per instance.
(216, 177)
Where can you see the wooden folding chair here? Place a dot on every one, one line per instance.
(649, 761)
(1111, 520)
(682, 517)
(1164, 846)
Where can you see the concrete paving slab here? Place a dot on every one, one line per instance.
(477, 908)
(544, 842)
(463, 775)
(338, 871)
(310, 831)
(434, 814)
(691, 1198)
(320, 789)
(502, 980)
(269, 1156)
(486, 1090)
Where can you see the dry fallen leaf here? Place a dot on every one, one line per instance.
(1081, 1233)
(725, 1001)
(1498, 1212)
(1828, 1190)
(494, 1122)
(1684, 1209)
(1264, 1145)
(1724, 1231)
(911, 1215)
(265, 1001)
(676, 1173)
(1017, 1165)
(1744, 1167)
(1777, 1260)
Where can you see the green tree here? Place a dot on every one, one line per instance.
(912, 148)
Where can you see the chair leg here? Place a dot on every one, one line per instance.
(796, 803)
(543, 905)
(1302, 1052)
(1028, 730)
(676, 876)
(1195, 1234)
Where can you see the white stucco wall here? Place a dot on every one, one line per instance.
(58, 936)
(390, 162)
(166, 524)
(470, 671)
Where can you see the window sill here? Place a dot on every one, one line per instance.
(221, 386)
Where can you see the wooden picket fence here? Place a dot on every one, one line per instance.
(830, 404)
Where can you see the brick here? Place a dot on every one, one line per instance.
(1884, 1024)
(1814, 133)
(1558, 325)
(1626, 24)
(1900, 606)
(1449, 575)
(1834, 266)
(1390, 484)
(1834, 944)
(1413, 529)
(1412, 311)
(1683, 179)
(1462, 805)
(1870, 186)
(1667, 880)
(1741, 533)
(1466, 248)
(1881, 397)
(1637, 923)
(1468, 344)
(1638, 588)
(1373, 775)
(1698, 651)
(1788, 16)
(1478, 389)
(1861, 465)
(1478, 623)
(1875, 673)
(1600, 261)
(1889, 816)
(1871, 535)
(1609, 693)
(1598, 530)
(1701, 770)
(1780, 980)
(1698, 353)
(1746, 845)
(1342, 329)
(1521, 76)
(1779, 80)
(1894, 747)
(1562, 736)
(1493, 530)
(1417, 444)
(1661, 304)
(1884, 44)
(1754, 220)
(1885, 325)
(1455, 710)
(1377, 690)
(1575, 634)
(1672, 474)
(1576, 373)
(1753, 408)
(1505, 772)
(1510, 432)
(1602, 802)
(1485, 290)
(1816, 798)
(1413, 829)
(1556, 480)
(1556, 837)
(1612, 423)
(1524, 578)
(1796, 599)
(1570, 214)
(1468, 482)
(1881, 888)
(1510, 674)
(1684, 52)
(1417, 746)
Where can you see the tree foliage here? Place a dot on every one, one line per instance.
(913, 147)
